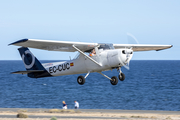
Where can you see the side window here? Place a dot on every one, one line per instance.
(76, 56)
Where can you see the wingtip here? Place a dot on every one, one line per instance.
(19, 41)
(169, 46)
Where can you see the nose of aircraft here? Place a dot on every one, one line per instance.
(128, 53)
(126, 56)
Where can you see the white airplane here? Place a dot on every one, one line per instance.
(102, 57)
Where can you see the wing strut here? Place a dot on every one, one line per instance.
(86, 55)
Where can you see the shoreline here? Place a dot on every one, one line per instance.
(46, 114)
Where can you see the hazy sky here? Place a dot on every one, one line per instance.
(100, 21)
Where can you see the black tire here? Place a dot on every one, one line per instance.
(81, 80)
(114, 80)
(122, 77)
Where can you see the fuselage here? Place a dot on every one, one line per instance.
(109, 59)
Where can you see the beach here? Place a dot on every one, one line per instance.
(87, 114)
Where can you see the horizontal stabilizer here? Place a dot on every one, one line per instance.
(28, 71)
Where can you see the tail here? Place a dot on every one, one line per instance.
(30, 61)
(33, 66)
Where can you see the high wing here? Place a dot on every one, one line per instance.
(67, 46)
(51, 45)
(142, 47)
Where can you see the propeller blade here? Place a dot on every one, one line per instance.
(132, 39)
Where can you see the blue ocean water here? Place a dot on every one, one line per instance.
(149, 85)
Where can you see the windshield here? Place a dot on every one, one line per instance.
(77, 55)
(106, 46)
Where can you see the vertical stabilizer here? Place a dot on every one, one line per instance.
(32, 63)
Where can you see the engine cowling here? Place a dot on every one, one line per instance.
(119, 57)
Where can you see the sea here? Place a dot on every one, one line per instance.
(149, 85)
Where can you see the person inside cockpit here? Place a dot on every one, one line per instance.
(93, 52)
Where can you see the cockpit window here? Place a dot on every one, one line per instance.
(76, 56)
(102, 46)
(106, 46)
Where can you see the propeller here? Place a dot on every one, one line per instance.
(131, 39)
(129, 50)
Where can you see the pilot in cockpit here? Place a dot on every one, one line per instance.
(93, 52)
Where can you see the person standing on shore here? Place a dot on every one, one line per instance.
(76, 104)
(64, 105)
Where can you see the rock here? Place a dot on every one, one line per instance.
(21, 115)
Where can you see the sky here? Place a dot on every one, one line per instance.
(98, 21)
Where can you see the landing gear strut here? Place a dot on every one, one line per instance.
(121, 75)
(113, 80)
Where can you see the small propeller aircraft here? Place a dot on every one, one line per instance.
(102, 57)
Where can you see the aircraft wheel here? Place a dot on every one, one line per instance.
(114, 80)
(121, 77)
(81, 80)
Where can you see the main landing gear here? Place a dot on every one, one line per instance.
(113, 80)
(81, 79)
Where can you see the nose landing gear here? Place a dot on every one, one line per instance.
(121, 75)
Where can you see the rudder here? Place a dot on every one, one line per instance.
(29, 60)
(32, 63)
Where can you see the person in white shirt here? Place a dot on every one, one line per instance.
(76, 104)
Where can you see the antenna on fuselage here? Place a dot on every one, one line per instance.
(92, 41)
(79, 40)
